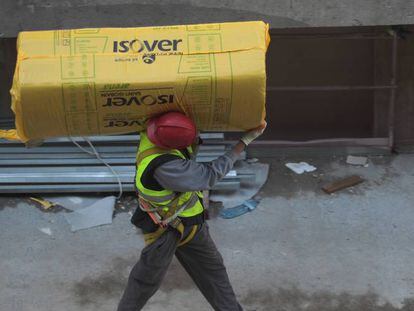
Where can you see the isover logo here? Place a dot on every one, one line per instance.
(146, 46)
(136, 98)
(124, 123)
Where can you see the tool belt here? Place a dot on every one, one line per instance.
(168, 218)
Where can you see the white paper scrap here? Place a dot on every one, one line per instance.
(46, 230)
(301, 167)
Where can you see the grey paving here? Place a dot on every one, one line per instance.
(299, 250)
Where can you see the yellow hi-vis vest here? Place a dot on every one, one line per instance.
(163, 199)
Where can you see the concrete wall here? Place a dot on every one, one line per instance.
(404, 112)
(296, 60)
(17, 15)
(7, 64)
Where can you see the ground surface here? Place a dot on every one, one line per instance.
(299, 250)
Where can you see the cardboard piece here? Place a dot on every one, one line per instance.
(97, 214)
(111, 80)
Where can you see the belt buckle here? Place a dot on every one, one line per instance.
(175, 222)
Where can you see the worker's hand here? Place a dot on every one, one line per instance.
(251, 135)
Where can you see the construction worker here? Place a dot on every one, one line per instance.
(171, 214)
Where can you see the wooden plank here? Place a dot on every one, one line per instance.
(342, 184)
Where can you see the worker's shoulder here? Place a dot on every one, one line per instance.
(177, 164)
(164, 159)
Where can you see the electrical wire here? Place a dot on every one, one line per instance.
(95, 153)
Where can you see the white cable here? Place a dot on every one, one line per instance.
(97, 155)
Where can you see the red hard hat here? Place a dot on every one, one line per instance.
(172, 130)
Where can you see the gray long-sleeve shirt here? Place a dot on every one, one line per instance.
(183, 175)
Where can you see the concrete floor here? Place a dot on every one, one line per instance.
(299, 250)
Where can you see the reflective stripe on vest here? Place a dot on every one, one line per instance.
(157, 199)
(186, 206)
(164, 198)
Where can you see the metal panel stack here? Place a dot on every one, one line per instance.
(59, 166)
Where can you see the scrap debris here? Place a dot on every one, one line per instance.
(46, 230)
(44, 203)
(97, 214)
(354, 160)
(342, 184)
(239, 210)
(252, 160)
(301, 167)
(249, 187)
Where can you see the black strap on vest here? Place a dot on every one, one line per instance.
(185, 153)
(147, 178)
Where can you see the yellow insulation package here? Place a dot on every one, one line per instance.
(111, 80)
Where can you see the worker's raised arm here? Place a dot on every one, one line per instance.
(183, 175)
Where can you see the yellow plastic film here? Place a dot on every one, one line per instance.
(111, 80)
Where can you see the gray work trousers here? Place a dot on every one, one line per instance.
(199, 257)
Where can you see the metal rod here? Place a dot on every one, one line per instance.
(133, 139)
(69, 188)
(391, 111)
(18, 154)
(100, 149)
(71, 170)
(66, 149)
(80, 162)
(61, 177)
(104, 155)
(74, 188)
(63, 161)
(88, 176)
(329, 88)
(120, 169)
(84, 158)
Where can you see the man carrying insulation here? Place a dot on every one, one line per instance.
(171, 214)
